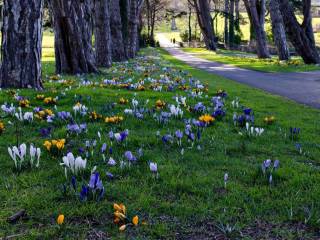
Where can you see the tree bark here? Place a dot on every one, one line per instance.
(237, 15)
(226, 27)
(231, 23)
(301, 36)
(278, 31)
(117, 41)
(189, 25)
(204, 19)
(21, 44)
(256, 12)
(133, 21)
(102, 33)
(72, 23)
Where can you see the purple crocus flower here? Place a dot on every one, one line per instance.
(83, 127)
(247, 111)
(110, 150)
(84, 193)
(166, 138)
(45, 132)
(103, 148)
(198, 134)
(130, 156)
(218, 113)
(276, 164)
(109, 175)
(95, 181)
(74, 182)
(199, 107)
(81, 150)
(191, 136)
(179, 134)
(124, 135)
(111, 135)
(64, 115)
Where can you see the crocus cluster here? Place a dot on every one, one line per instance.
(19, 155)
(75, 165)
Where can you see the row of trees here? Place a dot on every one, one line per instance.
(284, 21)
(113, 23)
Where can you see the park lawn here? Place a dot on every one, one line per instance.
(182, 25)
(250, 61)
(188, 199)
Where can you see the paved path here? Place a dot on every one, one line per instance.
(301, 87)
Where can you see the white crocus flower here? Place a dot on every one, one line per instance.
(176, 111)
(128, 111)
(259, 131)
(19, 154)
(28, 116)
(153, 167)
(134, 103)
(19, 115)
(35, 154)
(75, 165)
(111, 162)
(247, 126)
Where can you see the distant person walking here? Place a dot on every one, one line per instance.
(174, 41)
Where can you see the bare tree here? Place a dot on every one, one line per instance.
(300, 35)
(256, 13)
(21, 44)
(153, 10)
(202, 8)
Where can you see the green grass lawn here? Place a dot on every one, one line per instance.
(250, 61)
(188, 199)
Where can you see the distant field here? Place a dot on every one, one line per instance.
(48, 46)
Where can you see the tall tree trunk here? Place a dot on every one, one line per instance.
(132, 30)
(117, 41)
(278, 31)
(256, 12)
(205, 23)
(72, 25)
(237, 15)
(231, 23)
(301, 36)
(102, 33)
(21, 44)
(189, 25)
(226, 27)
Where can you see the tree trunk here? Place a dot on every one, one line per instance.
(102, 33)
(301, 36)
(231, 24)
(237, 15)
(21, 44)
(133, 21)
(205, 23)
(189, 26)
(256, 14)
(278, 31)
(117, 41)
(72, 25)
(226, 27)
